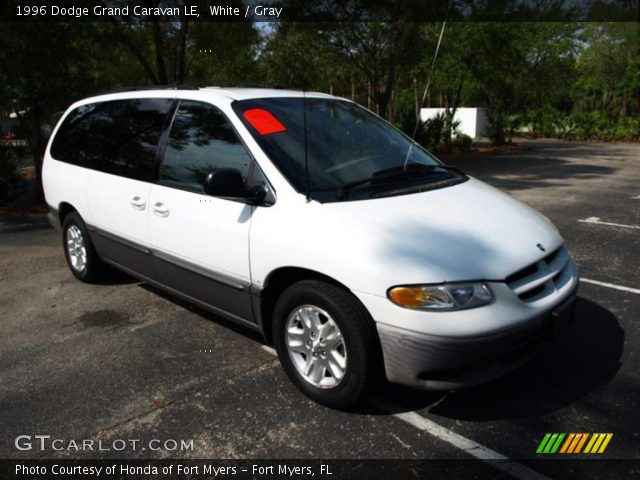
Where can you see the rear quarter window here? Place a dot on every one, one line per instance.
(118, 137)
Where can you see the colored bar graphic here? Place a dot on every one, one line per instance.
(570, 443)
(581, 443)
(592, 443)
(550, 443)
(555, 447)
(543, 443)
(567, 443)
(608, 438)
(597, 443)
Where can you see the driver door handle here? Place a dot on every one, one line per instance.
(138, 203)
(160, 209)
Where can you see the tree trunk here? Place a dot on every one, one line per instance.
(415, 97)
(182, 49)
(159, 48)
(624, 108)
(37, 146)
(385, 96)
(450, 113)
(135, 50)
(382, 103)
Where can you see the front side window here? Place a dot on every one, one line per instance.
(118, 137)
(201, 140)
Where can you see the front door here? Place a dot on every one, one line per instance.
(201, 243)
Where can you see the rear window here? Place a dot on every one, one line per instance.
(118, 137)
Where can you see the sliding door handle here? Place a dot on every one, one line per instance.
(160, 209)
(138, 203)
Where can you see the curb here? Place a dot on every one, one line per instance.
(29, 222)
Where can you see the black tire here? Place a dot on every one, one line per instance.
(94, 269)
(363, 366)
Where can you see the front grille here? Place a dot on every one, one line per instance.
(542, 278)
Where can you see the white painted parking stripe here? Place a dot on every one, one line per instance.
(637, 197)
(491, 457)
(596, 221)
(610, 285)
(268, 349)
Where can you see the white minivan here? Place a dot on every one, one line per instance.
(311, 220)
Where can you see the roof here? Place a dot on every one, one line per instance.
(232, 93)
(249, 93)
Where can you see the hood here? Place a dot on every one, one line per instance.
(470, 231)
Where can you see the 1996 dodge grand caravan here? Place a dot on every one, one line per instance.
(309, 219)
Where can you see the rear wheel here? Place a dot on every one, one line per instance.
(326, 342)
(82, 258)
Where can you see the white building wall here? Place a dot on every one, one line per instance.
(473, 121)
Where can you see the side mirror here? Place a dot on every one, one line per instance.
(228, 183)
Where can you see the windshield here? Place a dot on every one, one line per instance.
(346, 145)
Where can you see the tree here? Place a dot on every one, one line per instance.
(609, 69)
(43, 68)
(379, 50)
(46, 66)
(173, 52)
(509, 67)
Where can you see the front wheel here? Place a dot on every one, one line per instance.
(326, 342)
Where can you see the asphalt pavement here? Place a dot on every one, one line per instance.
(125, 361)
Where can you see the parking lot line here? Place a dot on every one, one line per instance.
(596, 221)
(610, 285)
(268, 349)
(493, 458)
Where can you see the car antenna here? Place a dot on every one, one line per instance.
(306, 155)
(426, 88)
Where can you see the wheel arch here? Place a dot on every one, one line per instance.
(278, 281)
(65, 209)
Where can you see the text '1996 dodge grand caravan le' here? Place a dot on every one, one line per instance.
(310, 219)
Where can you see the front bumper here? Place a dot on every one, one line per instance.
(435, 362)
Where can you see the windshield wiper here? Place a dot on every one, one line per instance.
(391, 174)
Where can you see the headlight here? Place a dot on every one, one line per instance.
(452, 296)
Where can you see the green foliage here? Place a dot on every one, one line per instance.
(8, 169)
(597, 126)
(462, 143)
(285, 59)
(544, 121)
(440, 134)
(234, 47)
(563, 79)
(47, 66)
(609, 69)
(497, 127)
(502, 127)
(548, 122)
(433, 132)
